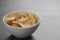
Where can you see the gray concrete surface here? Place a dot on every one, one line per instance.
(49, 10)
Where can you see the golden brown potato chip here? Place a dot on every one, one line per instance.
(21, 19)
(10, 18)
(32, 19)
(16, 25)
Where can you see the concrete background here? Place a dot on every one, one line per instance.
(49, 10)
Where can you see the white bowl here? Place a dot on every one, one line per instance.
(21, 32)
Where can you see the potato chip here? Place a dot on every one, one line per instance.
(10, 18)
(21, 19)
(16, 23)
(32, 18)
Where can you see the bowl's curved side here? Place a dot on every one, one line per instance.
(22, 33)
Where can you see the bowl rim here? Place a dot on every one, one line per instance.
(39, 18)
